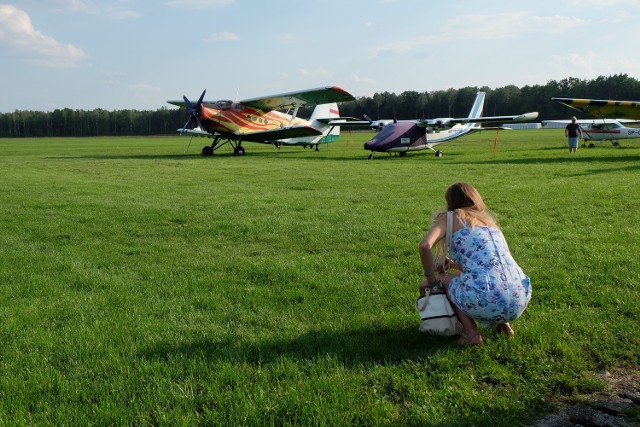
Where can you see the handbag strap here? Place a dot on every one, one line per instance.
(447, 240)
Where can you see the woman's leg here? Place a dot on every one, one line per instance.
(505, 328)
(471, 334)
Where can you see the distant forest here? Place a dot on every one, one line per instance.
(505, 100)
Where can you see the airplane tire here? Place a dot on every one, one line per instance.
(207, 150)
(439, 153)
(370, 156)
(239, 151)
(592, 145)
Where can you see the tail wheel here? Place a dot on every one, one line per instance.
(439, 153)
(207, 150)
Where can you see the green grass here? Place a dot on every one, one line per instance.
(145, 285)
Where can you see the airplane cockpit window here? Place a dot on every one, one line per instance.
(223, 105)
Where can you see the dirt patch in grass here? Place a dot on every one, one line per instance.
(618, 406)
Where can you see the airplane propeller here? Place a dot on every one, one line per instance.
(194, 110)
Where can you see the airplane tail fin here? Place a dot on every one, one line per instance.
(478, 106)
(322, 114)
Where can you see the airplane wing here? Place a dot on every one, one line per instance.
(490, 119)
(603, 108)
(262, 136)
(195, 132)
(337, 121)
(282, 133)
(321, 95)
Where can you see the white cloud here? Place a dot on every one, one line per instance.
(317, 72)
(361, 80)
(589, 63)
(223, 36)
(18, 37)
(114, 10)
(508, 24)
(198, 4)
(607, 4)
(473, 27)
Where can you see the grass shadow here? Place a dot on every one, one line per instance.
(126, 157)
(553, 160)
(352, 347)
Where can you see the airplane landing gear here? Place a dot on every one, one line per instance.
(239, 151)
(207, 150)
(370, 156)
(439, 153)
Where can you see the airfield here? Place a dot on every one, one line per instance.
(144, 284)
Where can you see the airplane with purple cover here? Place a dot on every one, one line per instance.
(402, 136)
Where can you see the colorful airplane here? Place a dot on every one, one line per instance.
(606, 109)
(601, 129)
(260, 119)
(402, 136)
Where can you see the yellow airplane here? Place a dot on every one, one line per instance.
(603, 108)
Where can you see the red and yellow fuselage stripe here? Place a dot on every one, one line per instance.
(245, 120)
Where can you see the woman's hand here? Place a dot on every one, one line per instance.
(449, 264)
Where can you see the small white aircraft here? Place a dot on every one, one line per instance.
(402, 136)
(377, 125)
(622, 111)
(602, 129)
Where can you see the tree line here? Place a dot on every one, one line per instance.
(505, 100)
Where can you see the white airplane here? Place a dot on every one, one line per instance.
(602, 109)
(402, 136)
(377, 125)
(602, 129)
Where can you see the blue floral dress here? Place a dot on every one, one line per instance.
(492, 288)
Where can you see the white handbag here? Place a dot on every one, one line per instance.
(436, 314)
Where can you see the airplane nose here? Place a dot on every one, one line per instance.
(395, 135)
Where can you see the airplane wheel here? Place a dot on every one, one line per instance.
(370, 156)
(616, 144)
(439, 153)
(592, 145)
(207, 150)
(403, 154)
(239, 151)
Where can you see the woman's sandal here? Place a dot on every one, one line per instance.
(474, 338)
(506, 329)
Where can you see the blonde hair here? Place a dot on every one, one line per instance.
(467, 202)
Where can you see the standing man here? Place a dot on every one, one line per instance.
(572, 132)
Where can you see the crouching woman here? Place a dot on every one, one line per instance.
(483, 282)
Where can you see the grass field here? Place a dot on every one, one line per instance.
(142, 285)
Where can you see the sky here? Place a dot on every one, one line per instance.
(137, 54)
